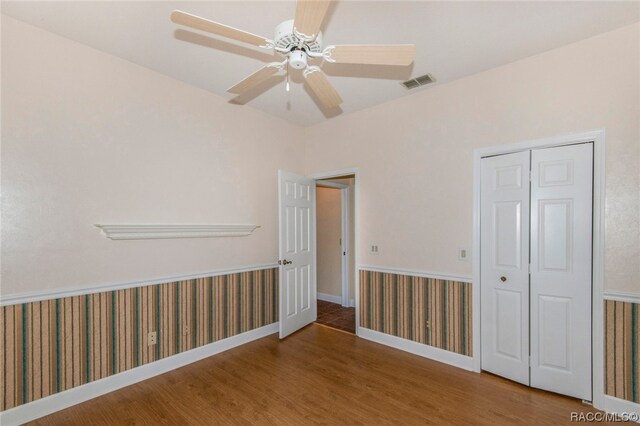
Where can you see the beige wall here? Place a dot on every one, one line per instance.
(329, 231)
(89, 138)
(414, 154)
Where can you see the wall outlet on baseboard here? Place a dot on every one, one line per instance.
(152, 338)
(374, 249)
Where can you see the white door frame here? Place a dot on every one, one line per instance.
(344, 237)
(598, 138)
(356, 225)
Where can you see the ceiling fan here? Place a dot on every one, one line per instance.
(299, 40)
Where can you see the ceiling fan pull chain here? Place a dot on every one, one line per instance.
(287, 85)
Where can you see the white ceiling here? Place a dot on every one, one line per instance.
(453, 40)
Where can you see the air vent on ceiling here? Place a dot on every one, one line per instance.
(418, 81)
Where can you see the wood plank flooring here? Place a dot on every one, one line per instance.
(321, 376)
(335, 315)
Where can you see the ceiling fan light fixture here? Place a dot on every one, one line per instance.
(298, 59)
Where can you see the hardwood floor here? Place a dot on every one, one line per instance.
(335, 316)
(321, 376)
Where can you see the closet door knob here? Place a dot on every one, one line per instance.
(503, 278)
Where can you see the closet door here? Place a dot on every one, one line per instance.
(504, 265)
(561, 227)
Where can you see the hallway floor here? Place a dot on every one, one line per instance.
(335, 316)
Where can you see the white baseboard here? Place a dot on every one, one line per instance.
(436, 354)
(627, 409)
(51, 404)
(330, 298)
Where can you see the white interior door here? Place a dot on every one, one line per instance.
(504, 228)
(297, 217)
(561, 227)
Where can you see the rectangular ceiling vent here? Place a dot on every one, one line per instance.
(418, 81)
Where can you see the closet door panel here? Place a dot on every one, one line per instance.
(561, 238)
(504, 265)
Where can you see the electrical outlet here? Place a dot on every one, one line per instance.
(152, 338)
(428, 324)
(374, 249)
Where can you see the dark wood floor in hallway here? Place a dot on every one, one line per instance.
(336, 316)
(321, 376)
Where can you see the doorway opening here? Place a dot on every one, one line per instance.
(335, 239)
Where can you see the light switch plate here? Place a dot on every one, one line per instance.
(463, 253)
(374, 249)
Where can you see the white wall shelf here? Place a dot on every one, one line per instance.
(145, 232)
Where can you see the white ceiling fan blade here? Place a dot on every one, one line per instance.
(189, 20)
(321, 87)
(255, 78)
(309, 16)
(371, 54)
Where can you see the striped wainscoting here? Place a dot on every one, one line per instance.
(622, 340)
(425, 310)
(54, 345)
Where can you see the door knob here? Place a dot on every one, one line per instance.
(503, 278)
(285, 262)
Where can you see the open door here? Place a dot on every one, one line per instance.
(297, 277)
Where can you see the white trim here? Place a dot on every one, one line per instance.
(356, 211)
(330, 298)
(14, 299)
(565, 139)
(598, 138)
(345, 249)
(145, 232)
(416, 273)
(329, 184)
(426, 351)
(59, 401)
(621, 296)
(619, 406)
(344, 237)
(334, 174)
(597, 319)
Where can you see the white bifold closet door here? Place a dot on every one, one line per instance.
(536, 226)
(504, 257)
(561, 229)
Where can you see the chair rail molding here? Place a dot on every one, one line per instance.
(145, 232)
(621, 296)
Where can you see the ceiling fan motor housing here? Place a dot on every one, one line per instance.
(286, 39)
